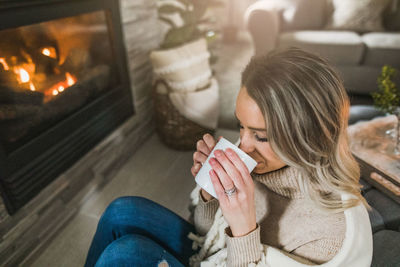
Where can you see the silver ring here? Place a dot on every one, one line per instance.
(231, 191)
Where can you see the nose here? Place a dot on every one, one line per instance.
(246, 142)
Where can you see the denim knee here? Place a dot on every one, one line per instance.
(134, 250)
(114, 208)
(121, 252)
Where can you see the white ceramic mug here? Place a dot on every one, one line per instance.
(203, 177)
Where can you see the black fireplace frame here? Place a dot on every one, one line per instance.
(27, 170)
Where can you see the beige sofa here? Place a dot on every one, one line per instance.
(358, 56)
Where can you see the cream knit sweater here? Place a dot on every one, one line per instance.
(286, 220)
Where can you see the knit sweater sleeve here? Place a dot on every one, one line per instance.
(204, 214)
(243, 250)
(319, 251)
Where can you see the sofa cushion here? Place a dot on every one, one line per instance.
(363, 113)
(365, 185)
(338, 47)
(386, 248)
(387, 208)
(293, 14)
(376, 219)
(361, 80)
(357, 15)
(381, 49)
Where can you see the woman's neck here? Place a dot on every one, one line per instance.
(284, 182)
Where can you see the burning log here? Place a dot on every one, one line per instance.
(46, 82)
(77, 61)
(94, 81)
(34, 43)
(97, 79)
(14, 46)
(30, 53)
(46, 65)
(66, 102)
(10, 96)
(8, 78)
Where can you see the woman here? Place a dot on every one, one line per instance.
(293, 111)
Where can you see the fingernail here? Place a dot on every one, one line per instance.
(229, 151)
(212, 161)
(218, 152)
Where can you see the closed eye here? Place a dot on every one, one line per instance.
(259, 139)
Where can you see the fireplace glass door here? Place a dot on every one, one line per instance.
(50, 70)
(64, 86)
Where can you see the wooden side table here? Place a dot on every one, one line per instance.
(369, 146)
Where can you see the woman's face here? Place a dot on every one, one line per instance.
(253, 135)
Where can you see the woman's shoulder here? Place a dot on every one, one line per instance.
(320, 223)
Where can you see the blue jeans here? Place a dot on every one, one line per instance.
(135, 231)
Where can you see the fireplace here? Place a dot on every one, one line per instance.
(64, 86)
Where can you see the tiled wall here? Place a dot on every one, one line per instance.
(23, 235)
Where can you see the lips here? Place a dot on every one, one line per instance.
(258, 164)
(261, 164)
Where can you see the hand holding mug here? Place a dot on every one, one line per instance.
(203, 150)
(230, 174)
(225, 174)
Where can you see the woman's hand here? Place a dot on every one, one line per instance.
(204, 148)
(230, 172)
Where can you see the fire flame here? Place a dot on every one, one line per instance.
(32, 87)
(46, 52)
(50, 52)
(23, 75)
(61, 86)
(70, 79)
(4, 63)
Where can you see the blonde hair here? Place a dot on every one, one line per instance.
(306, 110)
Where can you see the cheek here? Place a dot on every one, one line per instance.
(265, 152)
(261, 154)
(268, 156)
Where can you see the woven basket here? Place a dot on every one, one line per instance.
(173, 129)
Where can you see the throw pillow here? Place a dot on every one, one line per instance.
(391, 17)
(303, 14)
(357, 15)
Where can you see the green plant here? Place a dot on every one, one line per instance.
(193, 15)
(387, 98)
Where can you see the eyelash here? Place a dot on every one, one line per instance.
(259, 139)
